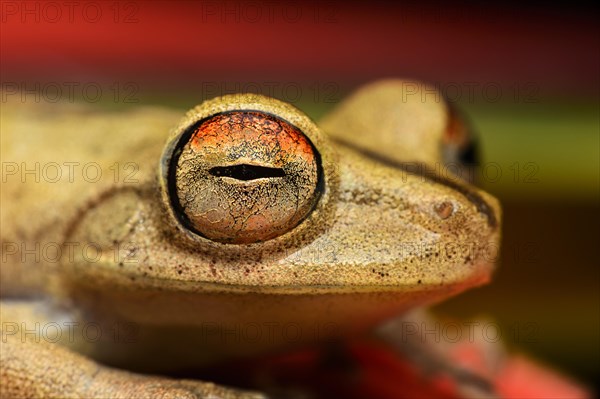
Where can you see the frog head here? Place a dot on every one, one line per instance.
(257, 214)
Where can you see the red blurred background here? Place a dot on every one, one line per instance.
(177, 44)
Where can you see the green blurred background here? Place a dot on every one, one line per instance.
(527, 76)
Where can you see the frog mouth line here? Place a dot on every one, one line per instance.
(472, 196)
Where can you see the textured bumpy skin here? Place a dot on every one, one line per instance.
(379, 240)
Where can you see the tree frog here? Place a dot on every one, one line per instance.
(137, 244)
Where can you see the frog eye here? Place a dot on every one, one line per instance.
(243, 177)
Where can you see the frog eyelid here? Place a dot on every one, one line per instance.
(251, 198)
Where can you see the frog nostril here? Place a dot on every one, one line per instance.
(246, 172)
(444, 209)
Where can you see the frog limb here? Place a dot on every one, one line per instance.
(32, 366)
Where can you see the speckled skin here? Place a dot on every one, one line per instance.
(379, 241)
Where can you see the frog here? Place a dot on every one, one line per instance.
(138, 243)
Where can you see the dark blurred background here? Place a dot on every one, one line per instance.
(527, 76)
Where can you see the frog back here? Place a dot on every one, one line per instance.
(57, 160)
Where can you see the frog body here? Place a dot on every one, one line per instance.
(139, 246)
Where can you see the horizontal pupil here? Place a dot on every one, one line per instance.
(246, 172)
